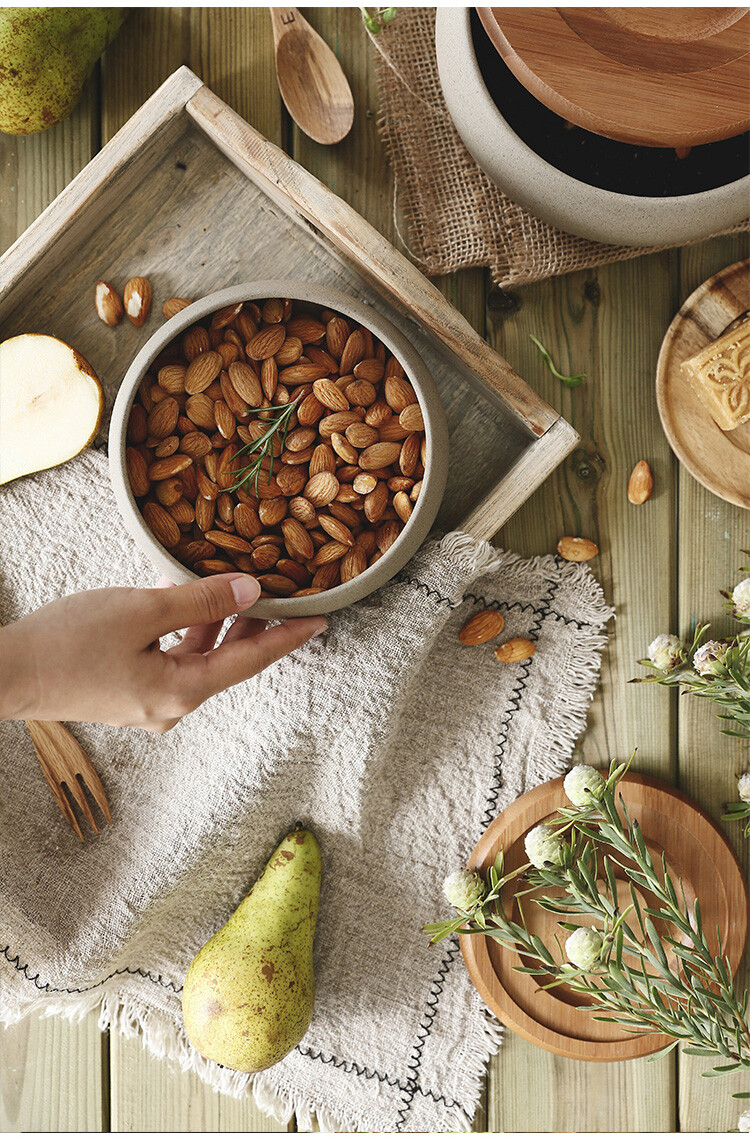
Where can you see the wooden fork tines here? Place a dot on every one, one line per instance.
(68, 771)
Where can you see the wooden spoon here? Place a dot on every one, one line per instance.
(312, 84)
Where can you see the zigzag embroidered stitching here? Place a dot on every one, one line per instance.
(373, 1074)
(479, 599)
(48, 989)
(426, 1027)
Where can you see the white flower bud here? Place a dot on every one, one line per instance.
(464, 890)
(543, 846)
(584, 947)
(584, 786)
(707, 660)
(743, 787)
(666, 651)
(741, 596)
(743, 1124)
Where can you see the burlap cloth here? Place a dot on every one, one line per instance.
(457, 217)
(392, 741)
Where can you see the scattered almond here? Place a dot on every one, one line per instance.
(174, 306)
(641, 483)
(517, 649)
(136, 298)
(481, 627)
(577, 549)
(109, 306)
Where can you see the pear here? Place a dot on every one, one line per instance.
(50, 404)
(249, 992)
(46, 56)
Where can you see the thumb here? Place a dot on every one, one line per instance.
(199, 603)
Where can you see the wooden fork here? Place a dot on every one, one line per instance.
(66, 765)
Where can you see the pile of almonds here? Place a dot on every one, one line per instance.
(344, 485)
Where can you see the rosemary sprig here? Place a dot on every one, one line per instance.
(738, 811)
(672, 983)
(277, 427)
(377, 21)
(568, 381)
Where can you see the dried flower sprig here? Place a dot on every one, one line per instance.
(671, 983)
(262, 448)
(716, 670)
(568, 381)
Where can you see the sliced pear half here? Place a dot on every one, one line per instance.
(50, 404)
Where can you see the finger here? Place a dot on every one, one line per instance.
(163, 583)
(197, 639)
(243, 627)
(202, 602)
(235, 662)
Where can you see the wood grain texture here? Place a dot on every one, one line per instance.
(313, 86)
(712, 535)
(608, 324)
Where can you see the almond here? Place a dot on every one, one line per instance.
(379, 455)
(205, 513)
(136, 297)
(338, 530)
(272, 511)
(109, 307)
(137, 424)
(302, 373)
(337, 334)
(246, 521)
(411, 418)
(310, 410)
(174, 306)
(343, 448)
(387, 535)
(202, 371)
(370, 369)
(169, 491)
(231, 542)
(182, 512)
(277, 584)
(399, 394)
(354, 351)
(214, 566)
(322, 489)
(294, 570)
(195, 444)
(225, 421)
(307, 329)
(361, 393)
(402, 506)
(481, 627)
(161, 524)
(172, 378)
(353, 563)
(376, 502)
(265, 557)
(267, 342)
(517, 649)
(378, 414)
(577, 549)
(291, 480)
(330, 552)
(225, 316)
(246, 383)
(641, 483)
(166, 468)
(338, 421)
(330, 396)
(297, 540)
(361, 435)
(194, 342)
(303, 511)
(200, 409)
(163, 418)
(364, 483)
(290, 351)
(409, 456)
(137, 470)
(273, 311)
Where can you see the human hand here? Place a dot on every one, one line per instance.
(95, 656)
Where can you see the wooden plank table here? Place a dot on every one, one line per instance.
(660, 565)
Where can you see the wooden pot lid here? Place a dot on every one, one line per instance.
(668, 77)
(696, 852)
(720, 460)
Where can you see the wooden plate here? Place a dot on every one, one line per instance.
(672, 77)
(720, 460)
(696, 852)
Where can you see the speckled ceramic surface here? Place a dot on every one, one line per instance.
(556, 197)
(436, 468)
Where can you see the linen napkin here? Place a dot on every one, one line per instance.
(396, 744)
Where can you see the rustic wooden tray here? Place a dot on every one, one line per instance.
(696, 852)
(192, 197)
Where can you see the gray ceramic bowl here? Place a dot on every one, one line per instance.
(436, 468)
(549, 193)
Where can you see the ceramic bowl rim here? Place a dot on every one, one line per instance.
(436, 430)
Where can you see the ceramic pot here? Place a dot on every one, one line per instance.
(551, 194)
(436, 429)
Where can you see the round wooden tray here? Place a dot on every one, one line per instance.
(718, 459)
(674, 77)
(696, 852)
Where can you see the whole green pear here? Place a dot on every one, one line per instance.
(249, 992)
(46, 56)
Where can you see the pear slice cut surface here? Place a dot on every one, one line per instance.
(51, 404)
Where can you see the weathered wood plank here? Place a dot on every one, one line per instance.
(712, 534)
(610, 325)
(52, 1073)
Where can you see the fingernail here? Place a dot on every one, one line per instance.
(321, 626)
(246, 590)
